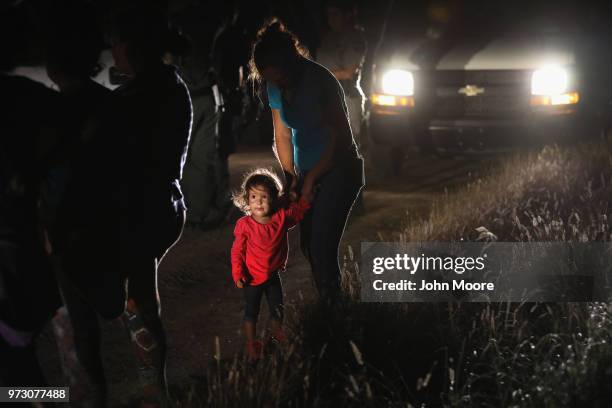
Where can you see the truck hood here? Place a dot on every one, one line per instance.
(501, 53)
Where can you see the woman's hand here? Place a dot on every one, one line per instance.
(240, 283)
(308, 189)
(293, 189)
(290, 187)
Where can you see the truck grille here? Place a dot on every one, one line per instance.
(504, 94)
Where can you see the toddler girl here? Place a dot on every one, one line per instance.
(259, 251)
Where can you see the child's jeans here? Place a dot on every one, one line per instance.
(273, 290)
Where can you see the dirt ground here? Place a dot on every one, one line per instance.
(199, 300)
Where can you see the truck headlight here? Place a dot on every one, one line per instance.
(550, 86)
(549, 81)
(398, 82)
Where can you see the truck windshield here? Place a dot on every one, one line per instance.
(484, 18)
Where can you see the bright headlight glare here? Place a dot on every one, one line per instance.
(398, 82)
(549, 81)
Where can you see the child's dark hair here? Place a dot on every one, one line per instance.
(262, 177)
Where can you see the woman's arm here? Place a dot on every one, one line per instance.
(283, 148)
(321, 167)
(340, 139)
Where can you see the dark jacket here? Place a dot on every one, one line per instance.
(154, 126)
(28, 291)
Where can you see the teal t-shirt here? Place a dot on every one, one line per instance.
(316, 88)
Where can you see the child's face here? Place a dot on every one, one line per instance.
(259, 201)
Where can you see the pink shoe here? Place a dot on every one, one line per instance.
(254, 350)
(278, 337)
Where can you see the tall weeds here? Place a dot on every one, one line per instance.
(463, 355)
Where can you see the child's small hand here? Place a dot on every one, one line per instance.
(240, 283)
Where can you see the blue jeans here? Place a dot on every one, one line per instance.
(322, 227)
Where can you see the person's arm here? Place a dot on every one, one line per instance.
(321, 167)
(353, 57)
(295, 212)
(238, 254)
(340, 138)
(283, 149)
(346, 73)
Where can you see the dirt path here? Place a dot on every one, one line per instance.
(199, 300)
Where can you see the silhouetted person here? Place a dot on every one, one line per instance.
(153, 122)
(82, 221)
(314, 146)
(206, 194)
(342, 51)
(230, 74)
(28, 292)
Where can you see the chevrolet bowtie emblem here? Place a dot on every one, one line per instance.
(471, 90)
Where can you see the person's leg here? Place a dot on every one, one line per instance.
(142, 319)
(333, 202)
(101, 282)
(28, 299)
(20, 366)
(18, 362)
(252, 301)
(78, 338)
(250, 330)
(274, 297)
(306, 232)
(252, 298)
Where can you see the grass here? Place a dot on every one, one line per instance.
(447, 354)
(556, 194)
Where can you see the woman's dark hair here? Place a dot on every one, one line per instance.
(258, 178)
(274, 45)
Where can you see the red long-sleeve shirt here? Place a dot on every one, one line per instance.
(260, 249)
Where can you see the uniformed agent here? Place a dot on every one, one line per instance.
(342, 51)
